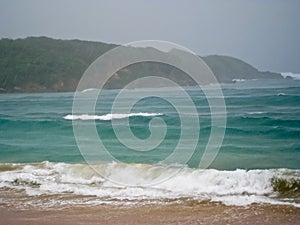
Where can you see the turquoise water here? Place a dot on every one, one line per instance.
(263, 127)
(258, 162)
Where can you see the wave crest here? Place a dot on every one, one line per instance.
(295, 76)
(109, 116)
(238, 187)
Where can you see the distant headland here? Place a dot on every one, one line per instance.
(42, 64)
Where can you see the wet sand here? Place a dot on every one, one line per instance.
(184, 213)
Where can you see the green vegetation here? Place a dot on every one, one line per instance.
(228, 68)
(45, 64)
(41, 64)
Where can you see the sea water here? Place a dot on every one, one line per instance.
(258, 162)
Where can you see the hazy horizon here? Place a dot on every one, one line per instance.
(263, 33)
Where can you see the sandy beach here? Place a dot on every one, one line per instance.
(187, 213)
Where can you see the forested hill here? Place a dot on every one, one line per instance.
(41, 64)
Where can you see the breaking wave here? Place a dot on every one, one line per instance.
(238, 187)
(295, 76)
(109, 116)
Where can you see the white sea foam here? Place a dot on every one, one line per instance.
(89, 89)
(295, 76)
(109, 116)
(281, 94)
(255, 113)
(238, 80)
(239, 187)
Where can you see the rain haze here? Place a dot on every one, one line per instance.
(265, 33)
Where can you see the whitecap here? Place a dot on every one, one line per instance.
(295, 76)
(89, 89)
(281, 94)
(238, 187)
(109, 116)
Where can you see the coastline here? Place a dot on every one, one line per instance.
(187, 213)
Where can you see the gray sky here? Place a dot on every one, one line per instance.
(264, 33)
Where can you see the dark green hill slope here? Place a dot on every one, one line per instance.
(227, 68)
(41, 64)
(45, 64)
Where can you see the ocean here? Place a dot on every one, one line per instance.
(258, 162)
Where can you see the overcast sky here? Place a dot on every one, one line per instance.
(264, 33)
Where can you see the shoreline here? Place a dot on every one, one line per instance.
(187, 213)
